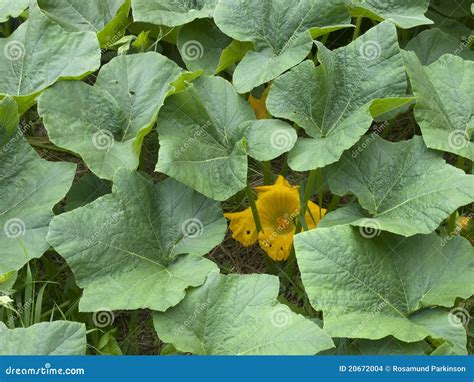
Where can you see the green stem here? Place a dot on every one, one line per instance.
(307, 195)
(452, 222)
(334, 202)
(34, 143)
(320, 187)
(268, 177)
(357, 28)
(285, 168)
(253, 207)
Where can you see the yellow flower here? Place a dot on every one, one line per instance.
(278, 207)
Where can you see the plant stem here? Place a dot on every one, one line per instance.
(307, 195)
(452, 222)
(253, 207)
(334, 202)
(268, 177)
(39, 145)
(357, 28)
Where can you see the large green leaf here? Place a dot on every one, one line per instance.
(282, 32)
(405, 13)
(445, 102)
(172, 12)
(12, 8)
(201, 45)
(145, 246)
(239, 314)
(46, 338)
(205, 132)
(107, 18)
(121, 108)
(431, 44)
(386, 285)
(39, 53)
(29, 189)
(404, 187)
(331, 102)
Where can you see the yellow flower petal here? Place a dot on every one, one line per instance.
(243, 227)
(313, 214)
(277, 246)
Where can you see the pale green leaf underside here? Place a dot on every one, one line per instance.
(29, 189)
(172, 12)
(239, 315)
(331, 102)
(404, 187)
(280, 31)
(46, 338)
(445, 102)
(107, 18)
(106, 123)
(404, 13)
(12, 8)
(380, 286)
(39, 52)
(145, 246)
(201, 132)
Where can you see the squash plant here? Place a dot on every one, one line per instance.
(236, 177)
